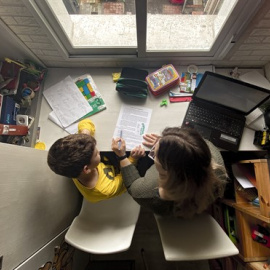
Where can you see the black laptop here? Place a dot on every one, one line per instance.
(219, 106)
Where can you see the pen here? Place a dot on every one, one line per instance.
(119, 143)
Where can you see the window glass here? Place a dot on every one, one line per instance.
(145, 28)
(97, 23)
(185, 25)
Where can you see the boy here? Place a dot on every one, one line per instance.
(76, 156)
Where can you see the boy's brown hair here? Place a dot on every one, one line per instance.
(68, 155)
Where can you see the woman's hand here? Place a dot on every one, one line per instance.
(119, 146)
(137, 152)
(150, 139)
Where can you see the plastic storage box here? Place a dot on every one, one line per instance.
(162, 80)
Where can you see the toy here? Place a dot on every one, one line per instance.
(262, 139)
(261, 235)
(164, 102)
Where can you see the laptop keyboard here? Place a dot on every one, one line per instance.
(215, 120)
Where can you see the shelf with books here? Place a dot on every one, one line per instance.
(250, 230)
(252, 245)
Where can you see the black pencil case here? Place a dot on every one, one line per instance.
(132, 83)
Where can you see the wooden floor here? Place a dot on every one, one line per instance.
(146, 250)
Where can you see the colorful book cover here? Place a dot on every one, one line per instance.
(91, 93)
(189, 81)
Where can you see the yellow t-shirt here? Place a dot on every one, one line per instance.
(108, 185)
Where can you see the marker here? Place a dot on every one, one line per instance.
(119, 143)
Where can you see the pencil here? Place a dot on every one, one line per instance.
(119, 143)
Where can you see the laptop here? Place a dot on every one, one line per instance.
(219, 107)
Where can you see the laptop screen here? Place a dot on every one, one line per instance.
(231, 93)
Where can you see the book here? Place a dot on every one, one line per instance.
(175, 95)
(230, 224)
(9, 110)
(189, 81)
(91, 93)
(175, 92)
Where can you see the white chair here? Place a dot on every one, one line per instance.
(199, 238)
(104, 227)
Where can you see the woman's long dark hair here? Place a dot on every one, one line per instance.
(192, 182)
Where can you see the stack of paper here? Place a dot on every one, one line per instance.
(72, 101)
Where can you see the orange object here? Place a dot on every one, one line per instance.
(13, 129)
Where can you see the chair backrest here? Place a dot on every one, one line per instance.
(104, 227)
(199, 238)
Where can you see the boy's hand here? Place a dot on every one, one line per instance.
(119, 146)
(150, 139)
(137, 152)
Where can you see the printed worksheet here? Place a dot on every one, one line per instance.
(67, 102)
(72, 129)
(132, 123)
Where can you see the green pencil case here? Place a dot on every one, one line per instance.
(132, 83)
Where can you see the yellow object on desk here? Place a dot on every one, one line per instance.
(116, 76)
(40, 146)
(87, 124)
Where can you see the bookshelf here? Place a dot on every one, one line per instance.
(252, 254)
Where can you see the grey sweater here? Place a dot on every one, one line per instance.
(144, 190)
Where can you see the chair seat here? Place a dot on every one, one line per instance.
(199, 238)
(104, 227)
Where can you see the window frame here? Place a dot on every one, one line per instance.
(241, 16)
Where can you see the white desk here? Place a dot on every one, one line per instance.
(105, 121)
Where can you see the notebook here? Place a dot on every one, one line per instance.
(219, 107)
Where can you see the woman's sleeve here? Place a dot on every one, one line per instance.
(137, 186)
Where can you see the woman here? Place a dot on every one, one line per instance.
(187, 176)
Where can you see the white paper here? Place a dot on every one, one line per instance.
(240, 177)
(67, 101)
(52, 116)
(72, 129)
(134, 122)
(258, 124)
(254, 115)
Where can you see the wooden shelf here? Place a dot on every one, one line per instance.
(256, 265)
(247, 208)
(252, 254)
